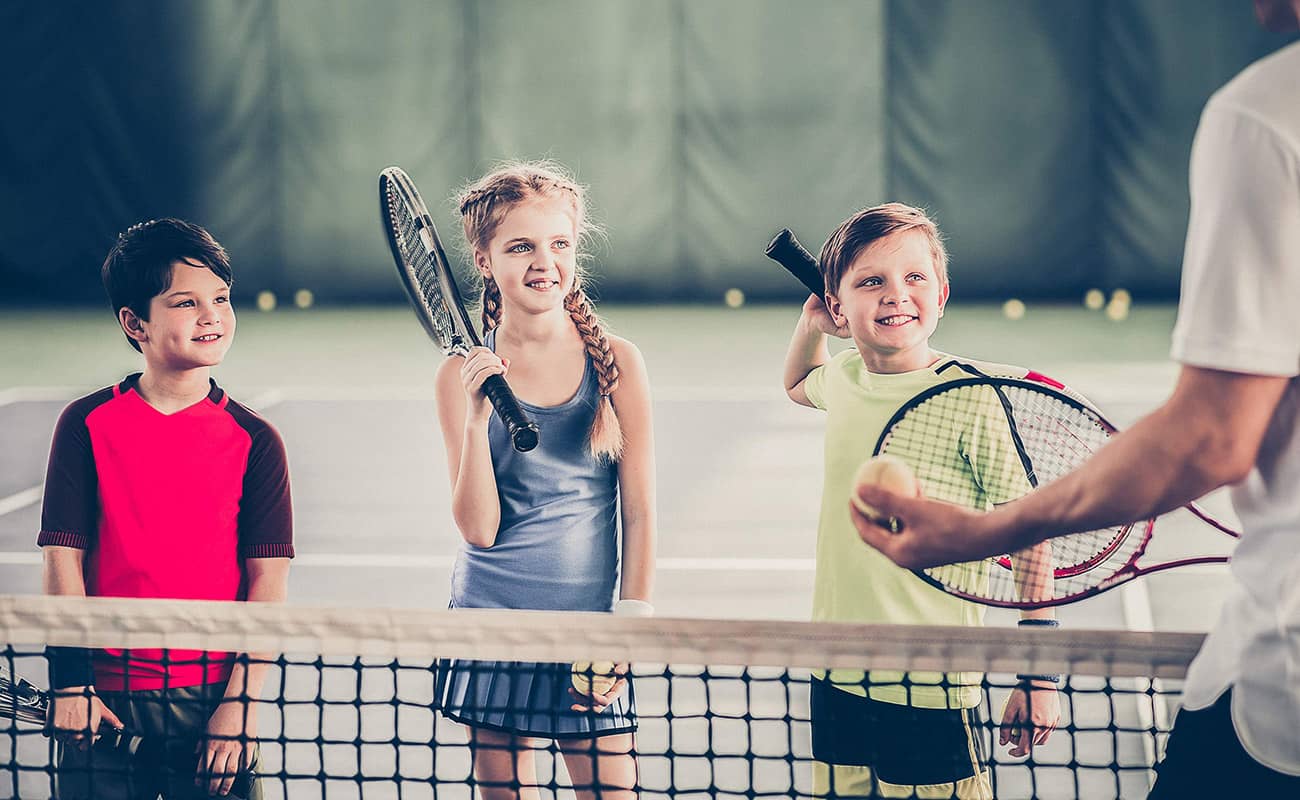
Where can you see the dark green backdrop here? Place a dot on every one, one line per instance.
(1049, 138)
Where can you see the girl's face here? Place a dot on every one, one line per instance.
(532, 255)
(891, 299)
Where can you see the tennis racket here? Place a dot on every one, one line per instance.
(786, 251)
(983, 441)
(23, 702)
(431, 287)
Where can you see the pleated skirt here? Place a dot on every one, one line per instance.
(526, 699)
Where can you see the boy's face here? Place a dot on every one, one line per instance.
(532, 255)
(891, 298)
(191, 323)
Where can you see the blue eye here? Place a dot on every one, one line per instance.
(519, 248)
(562, 244)
(871, 282)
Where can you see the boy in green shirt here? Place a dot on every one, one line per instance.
(886, 734)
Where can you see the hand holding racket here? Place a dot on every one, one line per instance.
(982, 441)
(431, 287)
(23, 702)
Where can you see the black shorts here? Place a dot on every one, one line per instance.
(1205, 759)
(902, 744)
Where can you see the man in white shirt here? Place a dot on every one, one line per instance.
(1233, 419)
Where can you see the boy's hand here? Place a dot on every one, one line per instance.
(76, 716)
(480, 364)
(1030, 716)
(228, 748)
(817, 318)
(599, 702)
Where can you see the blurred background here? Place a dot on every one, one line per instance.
(1049, 138)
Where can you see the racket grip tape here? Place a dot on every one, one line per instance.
(785, 250)
(523, 431)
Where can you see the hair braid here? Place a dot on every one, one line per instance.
(606, 439)
(491, 304)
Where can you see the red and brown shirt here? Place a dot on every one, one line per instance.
(165, 505)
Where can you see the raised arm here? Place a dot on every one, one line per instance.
(463, 414)
(808, 349)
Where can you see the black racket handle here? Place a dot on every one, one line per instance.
(786, 251)
(523, 431)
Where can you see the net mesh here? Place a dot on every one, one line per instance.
(350, 707)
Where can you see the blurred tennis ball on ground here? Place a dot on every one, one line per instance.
(1094, 300)
(1120, 303)
(887, 472)
(265, 301)
(303, 298)
(1013, 309)
(592, 678)
(734, 298)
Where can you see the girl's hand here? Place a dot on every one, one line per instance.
(597, 703)
(817, 318)
(480, 364)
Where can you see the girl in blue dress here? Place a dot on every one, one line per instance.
(541, 529)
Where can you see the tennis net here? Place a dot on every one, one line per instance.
(350, 704)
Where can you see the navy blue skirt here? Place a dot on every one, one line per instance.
(526, 699)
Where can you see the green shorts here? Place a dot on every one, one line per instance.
(171, 723)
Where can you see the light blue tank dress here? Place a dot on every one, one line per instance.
(556, 549)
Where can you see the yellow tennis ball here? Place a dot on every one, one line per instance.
(593, 677)
(1013, 309)
(888, 472)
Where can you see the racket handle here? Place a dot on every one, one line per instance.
(786, 251)
(523, 431)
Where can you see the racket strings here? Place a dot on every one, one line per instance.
(423, 275)
(22, 701)
(982, 444)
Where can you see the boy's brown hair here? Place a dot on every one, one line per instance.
(869, 226)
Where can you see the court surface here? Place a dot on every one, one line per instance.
(738, 463)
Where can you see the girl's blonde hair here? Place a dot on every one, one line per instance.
(483, 205)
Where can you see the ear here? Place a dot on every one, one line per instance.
(132, 325)
(482, 264)
(943, 297)
(837, 311)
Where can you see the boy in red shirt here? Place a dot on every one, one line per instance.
(162, 486)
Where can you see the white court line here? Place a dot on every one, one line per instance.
(39, 394)
(20, 500)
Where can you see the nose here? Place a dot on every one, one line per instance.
(209, 314)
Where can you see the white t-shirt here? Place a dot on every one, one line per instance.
(1240, 312)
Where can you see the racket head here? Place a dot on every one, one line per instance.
(20, 700)
(982, 441)
(422, 264)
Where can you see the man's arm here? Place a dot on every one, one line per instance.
(1207, 435)
(75, 713)
(233, 725)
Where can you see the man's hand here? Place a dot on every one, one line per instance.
(76, 714)
(930, 532)
(1030, 716)
(228, 748)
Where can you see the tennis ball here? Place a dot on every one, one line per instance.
(1013, 309)
(888, 472)
(734, 298)
(265, 301)
(303, 298)
(1094, 300)
(593, 677)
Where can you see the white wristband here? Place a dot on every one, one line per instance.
(633, 608)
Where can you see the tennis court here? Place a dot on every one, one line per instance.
(739, 475)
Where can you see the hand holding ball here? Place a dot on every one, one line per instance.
(887, 472)
(594, 678)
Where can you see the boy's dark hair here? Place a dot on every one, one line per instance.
(139, 267)
(870, 225)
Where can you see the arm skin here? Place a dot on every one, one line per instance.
(808, 349)
(1206, 435)
(233, 726)
(75, 721)
(463, 414)
(636, 492)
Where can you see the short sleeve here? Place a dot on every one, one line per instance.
(70, 509)
(1241, 265)
(265, 509)
(814, 386)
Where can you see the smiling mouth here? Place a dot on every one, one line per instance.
(209, 337)
(895, 320)
(542, 284)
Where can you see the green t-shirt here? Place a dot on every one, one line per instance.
(854, 582)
